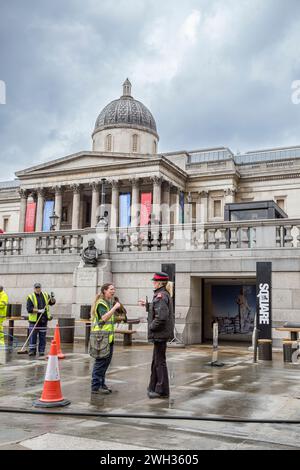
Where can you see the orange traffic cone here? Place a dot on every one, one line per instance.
(60, 355)
(51, 395)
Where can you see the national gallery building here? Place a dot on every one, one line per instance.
(206, 216)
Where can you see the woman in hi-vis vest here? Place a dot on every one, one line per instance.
(103, 318)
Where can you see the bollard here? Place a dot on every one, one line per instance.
(265, 349)
(215, 362)
(255, 343)
(289, 347)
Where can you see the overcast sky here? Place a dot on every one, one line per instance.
(212, 72)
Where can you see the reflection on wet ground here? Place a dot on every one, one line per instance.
(239, 389)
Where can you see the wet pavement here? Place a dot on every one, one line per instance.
(240, 389)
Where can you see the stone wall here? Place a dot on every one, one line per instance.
(132, 273)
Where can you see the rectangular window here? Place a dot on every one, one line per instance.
(217, 208)
(281, 203)
(5, 224)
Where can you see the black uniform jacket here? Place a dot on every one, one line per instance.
(161, 316)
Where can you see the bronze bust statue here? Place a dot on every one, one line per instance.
(90, 255)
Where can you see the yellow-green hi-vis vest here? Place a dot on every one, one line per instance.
(34, 316)
(107, 326)
(3, 305)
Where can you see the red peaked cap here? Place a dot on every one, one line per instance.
(160, 277)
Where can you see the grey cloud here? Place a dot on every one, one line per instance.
(64, 61)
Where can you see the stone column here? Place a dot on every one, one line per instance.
(95, 203)
(188, 208)
(166, 203)
(58, 205)
(157, 182)
(114, 212)
(202, 207)
(40, 209)
(23, 206)
(135, 202)
(76, 206)
(176, 206)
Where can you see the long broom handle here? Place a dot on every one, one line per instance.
(31, 332)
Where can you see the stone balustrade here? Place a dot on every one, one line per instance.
(278, 233)
(29, 244)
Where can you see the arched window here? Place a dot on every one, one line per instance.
(135, 143)
(108, 143)
(154, 146)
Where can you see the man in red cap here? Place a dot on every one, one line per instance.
(160, 331)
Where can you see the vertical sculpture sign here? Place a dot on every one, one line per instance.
(264, 299)
(146, 208)
(125, 199)
(48, 211)
(181, 203)
(30, 217)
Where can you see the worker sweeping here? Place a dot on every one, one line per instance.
(3, 312)
(38, 307)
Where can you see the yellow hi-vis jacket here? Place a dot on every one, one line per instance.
(98, 325)
(34, 316)
(3, 305)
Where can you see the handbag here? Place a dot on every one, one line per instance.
(99, 347)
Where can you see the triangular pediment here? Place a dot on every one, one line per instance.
(81, 161)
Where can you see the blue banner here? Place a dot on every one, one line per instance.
(181, 203)
(48, 211)
(124, 216)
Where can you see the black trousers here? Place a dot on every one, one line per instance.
(100, 369)
(159, 380)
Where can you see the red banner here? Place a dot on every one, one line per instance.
(30, 217)
(146, 208)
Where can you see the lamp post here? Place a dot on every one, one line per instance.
(53, 221)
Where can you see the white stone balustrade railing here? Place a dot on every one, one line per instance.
(278, 233)
(30, 244)
(156, 238)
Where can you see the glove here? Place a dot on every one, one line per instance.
(50, 318)
(41, 311)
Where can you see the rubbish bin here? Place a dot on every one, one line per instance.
(85, 312)
(67, 328)
(14, 310)
(289, 347)
(265, 349)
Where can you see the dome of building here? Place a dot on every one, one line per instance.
(126, 111)
(125, 125)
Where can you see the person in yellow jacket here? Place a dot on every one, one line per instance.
(103, 318)
(38, 308)
(3, 312)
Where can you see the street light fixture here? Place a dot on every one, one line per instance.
(53, 221)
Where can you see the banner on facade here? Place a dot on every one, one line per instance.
(146, 208)
(30, 217)
(264, 299)
(181, 203)
(48, 211)
(124, 216)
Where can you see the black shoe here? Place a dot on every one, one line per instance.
(32, 353)
(101, 391)
(41, 354)
(105, 387)
(156, 395)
